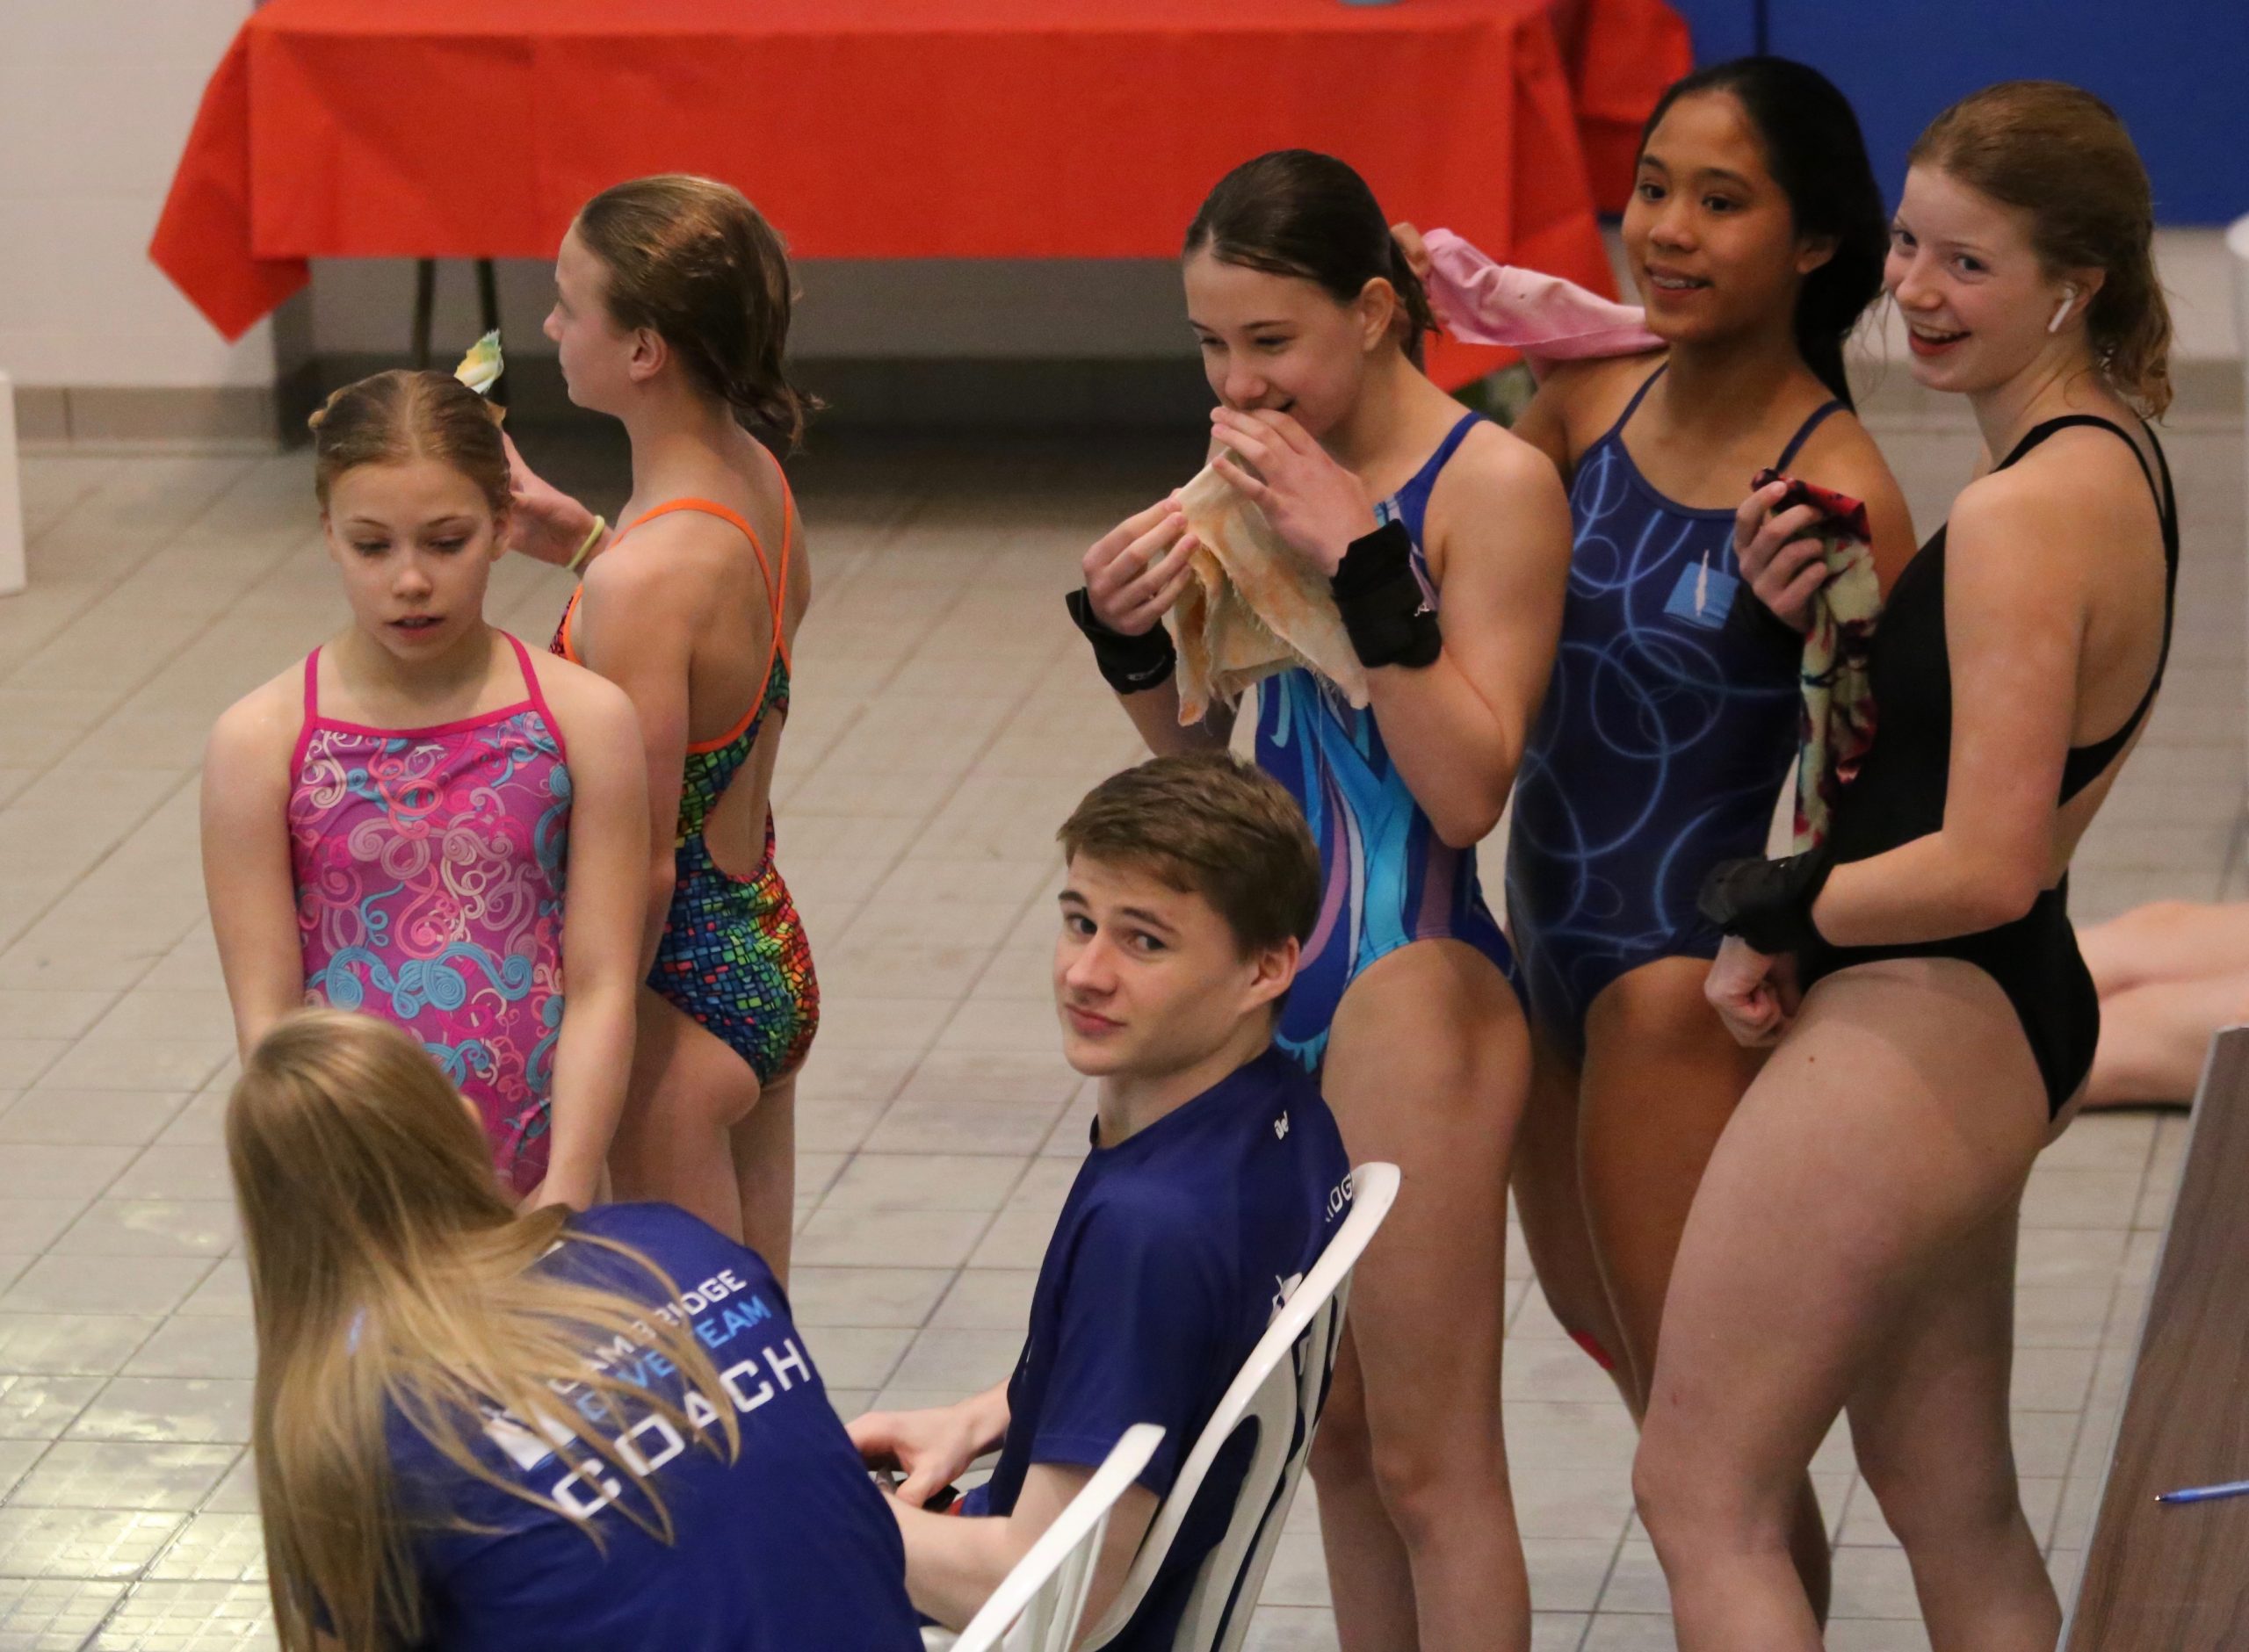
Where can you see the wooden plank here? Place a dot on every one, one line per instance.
(2175, 1577)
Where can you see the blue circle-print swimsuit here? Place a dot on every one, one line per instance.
(1386, 879)
(1661, 748)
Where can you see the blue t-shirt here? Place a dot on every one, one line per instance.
(787, 1548)
(1173, 1253)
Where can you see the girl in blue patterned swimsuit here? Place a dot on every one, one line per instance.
(1755, 235)
(1310, 324)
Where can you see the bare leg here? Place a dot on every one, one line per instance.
(1426, 1067)
(764, 1146)
(2154, 1038)
(1550, 1202)
(1931, 1429)
(1370, 1573)
(1662, 1077)
(1895, 1124)
(689, 1090)
(2166, 941)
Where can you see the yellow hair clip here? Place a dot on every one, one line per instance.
(479, 370)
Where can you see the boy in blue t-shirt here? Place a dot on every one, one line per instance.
(1215, 1177)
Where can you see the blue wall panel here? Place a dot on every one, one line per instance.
(1721, 28)
(2177, 70)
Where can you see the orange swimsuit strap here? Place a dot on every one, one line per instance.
(777, 589)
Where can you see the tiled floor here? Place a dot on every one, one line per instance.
(945, 719)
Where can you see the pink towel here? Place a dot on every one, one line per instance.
(1482, 301)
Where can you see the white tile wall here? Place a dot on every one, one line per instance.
(96, 100)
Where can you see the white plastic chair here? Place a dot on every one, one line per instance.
(1038, 1606)
(1280, 1391)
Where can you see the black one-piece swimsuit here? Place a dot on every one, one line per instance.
(1899, 792)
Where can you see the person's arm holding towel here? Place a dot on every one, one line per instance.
(1134, 575)
(1454, 717)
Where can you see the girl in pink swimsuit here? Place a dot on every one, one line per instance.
(423, 821)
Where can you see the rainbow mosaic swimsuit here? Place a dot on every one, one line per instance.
(734, 956)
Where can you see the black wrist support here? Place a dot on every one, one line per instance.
(1764, 630)
(1130, 665)
(1768, 903)
(1383, 605)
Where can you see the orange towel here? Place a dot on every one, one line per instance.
(1254, 607)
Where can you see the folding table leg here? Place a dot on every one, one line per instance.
(12, 497)
(426, 293)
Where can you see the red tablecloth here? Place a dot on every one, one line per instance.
(887, 128)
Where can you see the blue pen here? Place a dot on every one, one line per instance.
(2205, 1494)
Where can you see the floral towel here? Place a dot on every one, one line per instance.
(1837, 723)
(1254, 607)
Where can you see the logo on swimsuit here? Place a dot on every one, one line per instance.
(1702, 596)
(1281, 1128)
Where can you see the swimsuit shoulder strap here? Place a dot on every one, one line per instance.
(536, 695)
(2085, 764)
(779, 583)
(1820, 415)
(563, 646)
(2038, 433)
(1616, 431)
(712, 507)
(2167, 501)
(1410, 504)
(312, 717)
(1451, 445)
(777, 590)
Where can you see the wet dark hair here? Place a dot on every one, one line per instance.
(1298, 212)
(400, 416)
(1817, 154)
(692, 260)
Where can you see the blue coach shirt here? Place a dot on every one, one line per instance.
(787, 1548)
(1172, 1253)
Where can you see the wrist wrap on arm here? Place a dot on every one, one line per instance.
(1768, 903)
(1384, 608)
(1764, 630)
(1130, 665)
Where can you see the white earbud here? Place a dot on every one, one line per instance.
(2069, 297)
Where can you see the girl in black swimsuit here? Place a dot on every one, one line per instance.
(1852, 1248)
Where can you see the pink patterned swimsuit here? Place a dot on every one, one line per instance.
(429, 867)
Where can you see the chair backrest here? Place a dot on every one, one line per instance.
(1037, 1606)
(1279, 1393)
